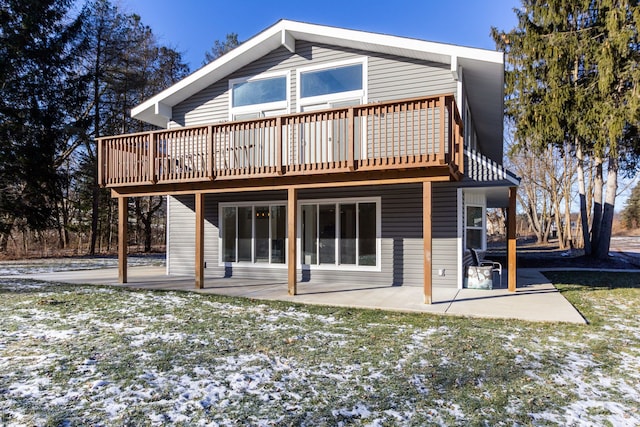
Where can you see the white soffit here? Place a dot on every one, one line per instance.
(484, 65)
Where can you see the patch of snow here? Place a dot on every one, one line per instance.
(52, 265)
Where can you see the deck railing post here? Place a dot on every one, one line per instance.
(351, 138)
(279, 148)
(443, 109)
(152, 157)
(210, 159)
(460, 160)
(101, 162)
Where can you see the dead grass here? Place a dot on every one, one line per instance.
(86, 355)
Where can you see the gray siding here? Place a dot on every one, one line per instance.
(445, 234)
(181, 232)
(401, 236)
(390, 77)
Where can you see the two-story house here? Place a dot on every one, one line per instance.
(322, 154)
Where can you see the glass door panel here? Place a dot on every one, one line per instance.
(327, 231)
(244, 233)
(348, 233)
(229, 233)
(309, 234)
(278, 234)
(367, 234)
(262, 234)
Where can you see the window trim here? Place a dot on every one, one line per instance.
(259, 108)
(337, 266)
(321, 267)
(482, 228)
(253, 263)
(360, 94)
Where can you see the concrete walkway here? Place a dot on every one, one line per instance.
(535, 298)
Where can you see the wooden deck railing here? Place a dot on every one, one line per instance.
(415, 133)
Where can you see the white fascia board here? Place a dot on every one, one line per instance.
(286, 32)
(244, 54)
(420, 48)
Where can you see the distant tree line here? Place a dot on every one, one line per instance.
(573, 101)
(68, 76)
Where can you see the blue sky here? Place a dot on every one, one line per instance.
(191, 26)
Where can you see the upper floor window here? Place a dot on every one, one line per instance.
(258, 96)
(332, 80)
(323, 86)
(262, 91)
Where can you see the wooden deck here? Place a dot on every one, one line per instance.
(420, 137)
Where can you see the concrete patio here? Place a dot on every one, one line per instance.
(535, 298)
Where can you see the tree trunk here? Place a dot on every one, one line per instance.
(95, 193)
(606, 229)
(567, 184)
(597, 205)
(95, 212)
(4, 242)
(147, 235)
(584, 211)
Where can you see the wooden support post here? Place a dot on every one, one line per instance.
(292, 220)
(199, 240)
(426, 237)
(511, 239)
(123, 222)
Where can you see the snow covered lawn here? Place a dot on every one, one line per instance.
(88, 355)
(50, 265)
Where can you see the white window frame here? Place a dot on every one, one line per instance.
(337, 266)
(267, 106)
(253, 263)
(332, 97)
(482, 228)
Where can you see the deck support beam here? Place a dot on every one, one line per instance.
(511, 239)
(292, 221)
(427, 241)
(123, 238)
(199, 255)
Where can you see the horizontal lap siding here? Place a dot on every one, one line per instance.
(402, 233)
(181, 234)
(401, 242)
(390, 77)
(445, 234)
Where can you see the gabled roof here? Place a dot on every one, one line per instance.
(483, 71)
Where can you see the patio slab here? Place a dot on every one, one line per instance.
(535, 298)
